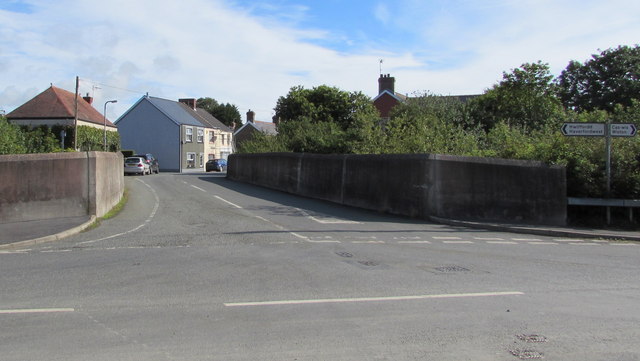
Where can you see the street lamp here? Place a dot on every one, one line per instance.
(105, 122)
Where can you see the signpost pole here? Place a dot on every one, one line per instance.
(608, 165)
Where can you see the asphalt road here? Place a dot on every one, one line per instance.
(197, 267)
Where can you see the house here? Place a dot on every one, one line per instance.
(178, 133)
(387, 97)
(56, 106)
(250, 127)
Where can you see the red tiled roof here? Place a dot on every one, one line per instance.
(57, 103)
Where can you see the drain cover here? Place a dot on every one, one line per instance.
(344, 254)
(532, 338)
(447, 269)
(527, 354)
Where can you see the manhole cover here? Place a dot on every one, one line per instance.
(368, 263)
(344, 254)
(532, 338)
(527, 354)
(447, 269)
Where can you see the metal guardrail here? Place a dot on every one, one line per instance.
(606, 202)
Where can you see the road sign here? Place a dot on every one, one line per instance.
(584, 129)
(623, 130)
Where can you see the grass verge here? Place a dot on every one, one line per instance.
(113, 212)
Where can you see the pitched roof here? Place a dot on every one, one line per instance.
(57, 103)
(265, 127)
(177, 112)
(212, 121)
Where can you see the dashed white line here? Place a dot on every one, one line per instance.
(227, 202)
(442, 238)
(35, 310)
(414, 242)
(198, 188)
(458, 242)
(501, 242)
(488, 239)
(371, 299)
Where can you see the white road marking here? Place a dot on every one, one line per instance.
(198, 188)
(488, 239)
(585, 244)
(371, 299)
(568, 240)
(35, 310)
(437, 237)
(623, 244)
(153, 214)
(526, 239)
(414, 242)
(542, 243)
(227, 202)
(368, 242)
(501, 242)
(327, 219)
(458, 242)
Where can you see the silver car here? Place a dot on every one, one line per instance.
(136, 165)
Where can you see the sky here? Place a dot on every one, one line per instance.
(250, 53)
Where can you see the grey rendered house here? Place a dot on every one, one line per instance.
(173, 131)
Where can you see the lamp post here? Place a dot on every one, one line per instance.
(105, 122)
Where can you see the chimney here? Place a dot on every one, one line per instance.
(190, 102)
(386, 82)
(251, 116)
(88, 99)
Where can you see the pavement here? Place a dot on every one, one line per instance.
(30, 233)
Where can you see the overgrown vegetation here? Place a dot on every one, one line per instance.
(520, 117)
(42, 139)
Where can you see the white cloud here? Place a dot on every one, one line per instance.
(207, 48)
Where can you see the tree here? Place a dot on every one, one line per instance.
(327, 120)
(526, 98)
(227, 113)
(607, 79)
(11, 138)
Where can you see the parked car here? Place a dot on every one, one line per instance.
(152, 161)
(218, 165)
(136, 165)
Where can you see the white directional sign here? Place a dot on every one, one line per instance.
(623, 130)
(584, 129)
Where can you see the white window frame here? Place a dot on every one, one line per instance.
(200, 137)
(191, 158)
(188, 134)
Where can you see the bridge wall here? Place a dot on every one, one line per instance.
(55, 185)
(416, 185)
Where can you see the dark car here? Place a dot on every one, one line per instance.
(218, 165)
(154, 165)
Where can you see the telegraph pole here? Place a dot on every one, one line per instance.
(75, 117)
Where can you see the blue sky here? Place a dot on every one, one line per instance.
(249, 53)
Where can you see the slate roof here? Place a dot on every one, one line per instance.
(265, 127)
(57, 103)
(211, 121)
(179, 113)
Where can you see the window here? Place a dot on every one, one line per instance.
(200, 135)
(222, 139)
(191, 160)
(212, 137)
(189, 137)
(201, 160)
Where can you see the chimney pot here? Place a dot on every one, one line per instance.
(251, 116)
